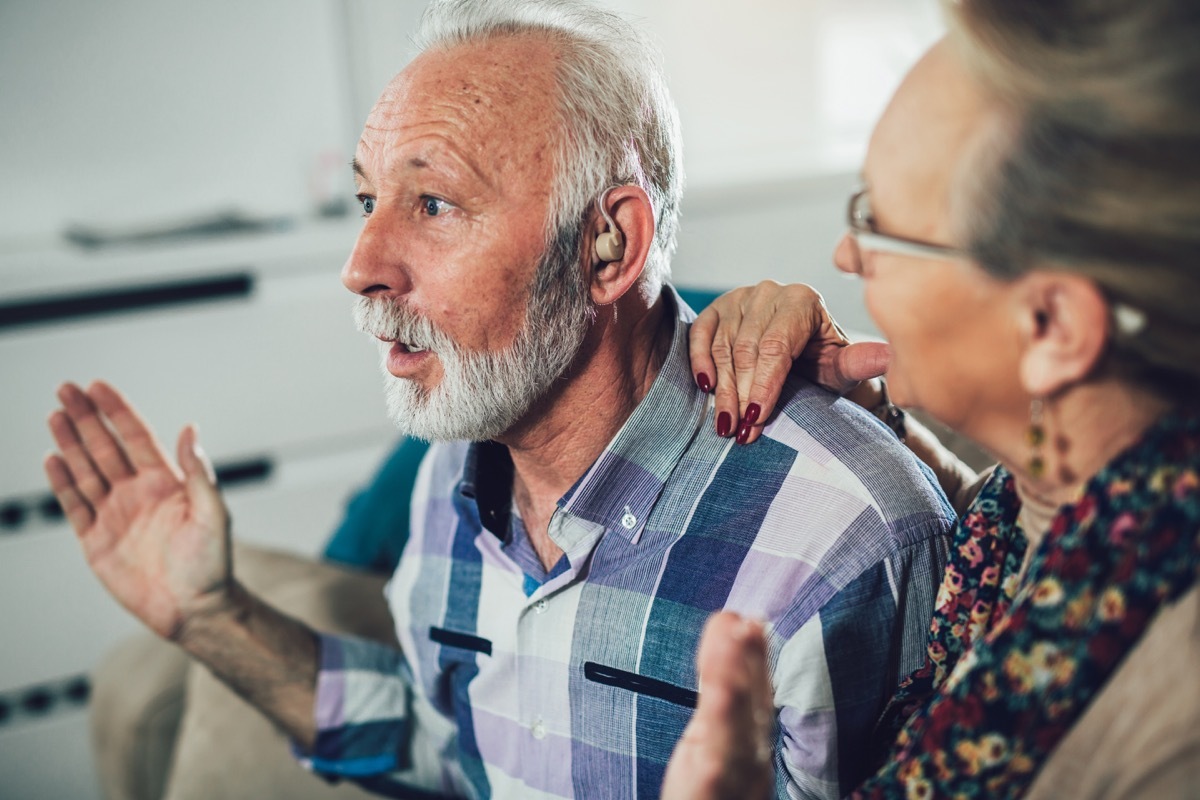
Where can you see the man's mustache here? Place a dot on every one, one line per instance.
(391, 320)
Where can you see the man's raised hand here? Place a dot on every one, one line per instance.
(727, 749)
(156, 535)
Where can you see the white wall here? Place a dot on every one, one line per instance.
(136, 111)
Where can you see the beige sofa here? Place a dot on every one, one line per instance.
(165, 729)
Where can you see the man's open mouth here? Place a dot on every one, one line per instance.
(403, 347)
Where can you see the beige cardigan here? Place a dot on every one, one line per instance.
(1140, 737)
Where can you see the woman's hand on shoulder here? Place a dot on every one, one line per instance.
(745, 343)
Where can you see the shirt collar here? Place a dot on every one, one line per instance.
(493, 494)
(624, 483)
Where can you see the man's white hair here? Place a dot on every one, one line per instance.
(620, 124)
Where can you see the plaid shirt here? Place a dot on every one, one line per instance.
(524, 683)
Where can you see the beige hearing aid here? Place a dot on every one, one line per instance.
(609, 245)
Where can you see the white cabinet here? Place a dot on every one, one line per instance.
(251, 339)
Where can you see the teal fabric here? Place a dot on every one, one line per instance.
(698, 299)
(375, 527)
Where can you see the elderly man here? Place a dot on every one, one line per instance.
(520, 182)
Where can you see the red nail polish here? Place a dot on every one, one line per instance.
(752, 412)
(743, 433)
(724, 424)
(703, 382)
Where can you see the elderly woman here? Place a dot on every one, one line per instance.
(1028, 236)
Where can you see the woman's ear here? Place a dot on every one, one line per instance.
(1065, 322)
(632, 215)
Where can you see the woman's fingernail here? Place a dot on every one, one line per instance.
(743, 433)
(752, 412)
(724, 424)
(703, 382)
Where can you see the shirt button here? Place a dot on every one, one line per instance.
(540, 606)
(628, 521)
(538, 729)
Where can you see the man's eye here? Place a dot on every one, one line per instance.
(368, 204)
(432, 205)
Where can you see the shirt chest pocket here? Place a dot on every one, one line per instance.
(458, 656)
(639, 684)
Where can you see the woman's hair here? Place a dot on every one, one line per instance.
(620, 124)
(1101, 175)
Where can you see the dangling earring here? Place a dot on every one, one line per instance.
(1036, 437)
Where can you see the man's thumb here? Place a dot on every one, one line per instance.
(198, 472)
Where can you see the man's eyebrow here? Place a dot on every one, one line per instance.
(418, 162)
(356, 165)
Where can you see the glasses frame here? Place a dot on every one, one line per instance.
(862, 228)
(1129, 320)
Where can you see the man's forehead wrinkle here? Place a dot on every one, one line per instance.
(360, 164)
(445, 142)
(488, 110)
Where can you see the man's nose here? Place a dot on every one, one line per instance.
(846, 256)
(375, 267)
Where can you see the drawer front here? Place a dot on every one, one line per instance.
(59, 620)
(48, 758)
(278, 366)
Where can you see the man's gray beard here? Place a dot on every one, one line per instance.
(484, 394)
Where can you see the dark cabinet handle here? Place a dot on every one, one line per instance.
(44, 699)
(235, 473)
(17, 512)
(39, 311)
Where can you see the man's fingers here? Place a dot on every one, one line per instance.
(199, 476)
(86, 479)
(76, 508)
(762, 694)
(141, 445)
(752, 693)
(101, 446)
(193, 459)
(726, 749)
(727, 640)
(736, 705)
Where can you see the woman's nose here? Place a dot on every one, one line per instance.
(846, 256)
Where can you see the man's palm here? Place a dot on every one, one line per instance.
(156, 537)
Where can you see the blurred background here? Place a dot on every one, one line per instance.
(175, 204)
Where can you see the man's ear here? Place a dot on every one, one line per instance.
(633, 220)
(1065, 326)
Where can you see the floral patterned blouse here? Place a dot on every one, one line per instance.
(1013, 663)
